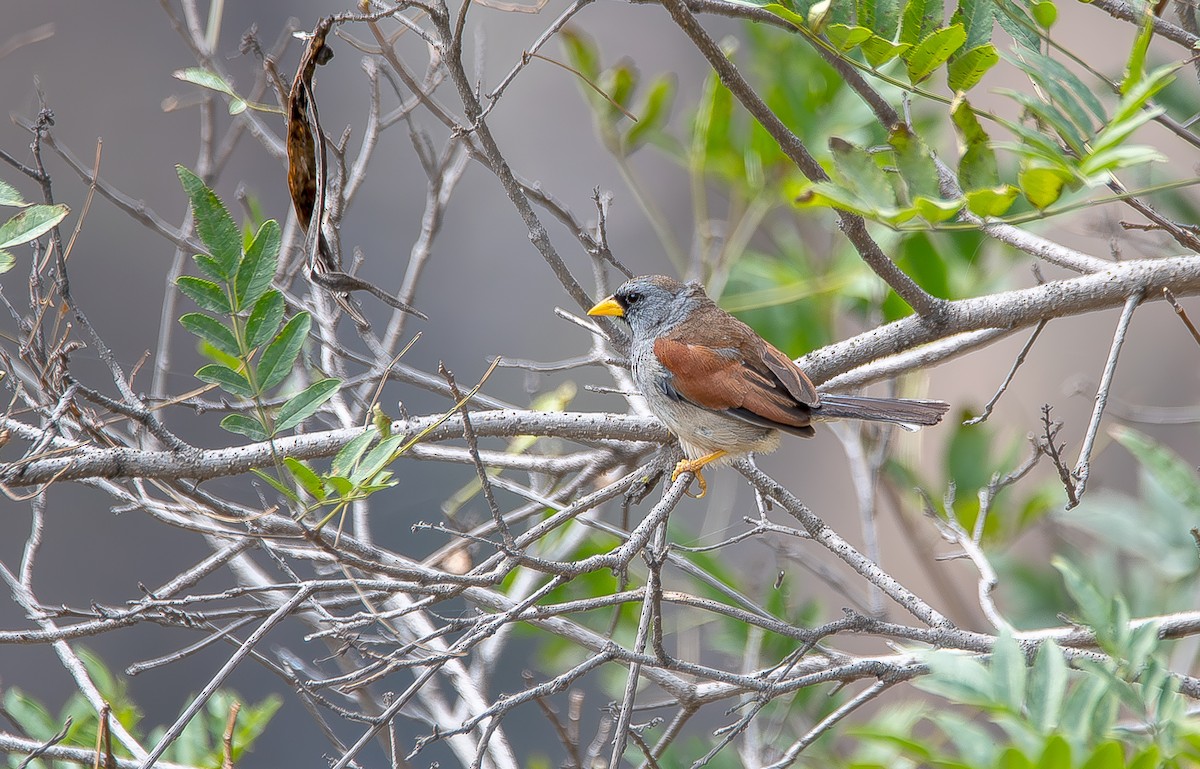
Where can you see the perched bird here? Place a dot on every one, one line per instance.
(722, 389)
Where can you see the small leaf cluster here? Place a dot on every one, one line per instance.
(201, 743)
(1066, 140)
(914, 32)
(616, 102)
(214, 82)
(241, 324)
(1149, 552)
(1049, 715)
(1073, 141)
(910, 188)
(32, 222)
(357, 471)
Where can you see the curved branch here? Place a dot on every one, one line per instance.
(120, 462)
(1009, 310)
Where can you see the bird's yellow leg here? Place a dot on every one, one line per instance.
(696, 466)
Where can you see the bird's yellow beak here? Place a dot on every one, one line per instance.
(608, 307)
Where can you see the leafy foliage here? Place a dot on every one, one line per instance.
(237, 287)
(29, 224)
(201, 744)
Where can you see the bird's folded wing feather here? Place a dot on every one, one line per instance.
(723, 380)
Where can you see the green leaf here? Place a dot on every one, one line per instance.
(653, 114)
(257, 269)
(9, 195)
(211, 268)
(1045, 14)
(308, 480)
(1057, 753)
(212, 331)
(346, 459)
(977, 745)
(29, 714)
(1149, 758)
(880, 51)
(1116, 132)
(933, 51)
(213, 82)
(977, 18)
(935, 210)
(965, 70)
(958, 678)
(883, 16)
(859, 172)
(305, 403)
(1094, 608)
(228, 379)
(7, 261)
(915, 163)
(1036, 145)
(1135, 68)
(279, 357)
(1012, 758)
(1177, 476)
(845, 37)
(216, 356)
(1008, 672)
(1081, 703)
(1047, 687)
(281, 488)
(840, 13)
(376, 459)
(1016, 23)
(921, 18)
(205, 293)
(1109, 754)
(31, 224)
(1063, 87)
(581, 52)
(1140, 94)
(830, 195)
(619, 82)
(968, 459)
(213, 223)
(1042, 186)
(264, 319)
(1050, 115)
(342, 487)
(977, 168)
(1097, 166)
(995, 201)
(1143, 643)
(788, 15)
(245, 425)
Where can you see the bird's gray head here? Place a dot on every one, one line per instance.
(652, 304)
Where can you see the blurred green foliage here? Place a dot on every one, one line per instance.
(201, 744)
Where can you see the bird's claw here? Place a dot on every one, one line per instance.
(691, 466)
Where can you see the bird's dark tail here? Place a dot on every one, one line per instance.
(910, 414)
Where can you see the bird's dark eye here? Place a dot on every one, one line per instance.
(632, 297)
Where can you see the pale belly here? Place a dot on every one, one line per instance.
(700, 432)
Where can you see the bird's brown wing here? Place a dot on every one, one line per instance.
(790, 375)
(726, 380)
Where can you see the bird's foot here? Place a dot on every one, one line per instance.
(696, 466)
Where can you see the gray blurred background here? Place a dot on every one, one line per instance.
(105, 71)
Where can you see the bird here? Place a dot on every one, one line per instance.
(722, 389)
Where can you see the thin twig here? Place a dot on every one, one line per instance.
(1083, 466)
(1012, 372)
